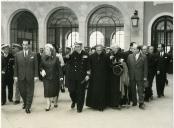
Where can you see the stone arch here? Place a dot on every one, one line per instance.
(72, 20)
(120, 19)
(12, 19)
(151, 23)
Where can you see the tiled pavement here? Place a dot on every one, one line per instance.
(158, 114)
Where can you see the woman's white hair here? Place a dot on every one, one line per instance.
(49, 45)
(114, 46)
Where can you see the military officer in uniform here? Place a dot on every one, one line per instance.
(7, 63)
(78, 74)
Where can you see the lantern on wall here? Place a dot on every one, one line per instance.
(135, 19)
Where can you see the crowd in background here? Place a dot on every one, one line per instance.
(107, 76)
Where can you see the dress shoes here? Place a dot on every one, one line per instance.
(118, 107)
(48, 109)
(10, 100)
(79, 110)
(151, 97)
(24, 106)
(55, 105)
(101, 109)
(2, 103)
(27, 111)
(166, 82)
(134, 104)
(141, 106)
(73, 105)
(159, 96)
(146, 99)
(17, 102)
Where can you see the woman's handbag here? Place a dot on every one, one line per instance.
(117, 69)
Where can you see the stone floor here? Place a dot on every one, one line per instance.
(158, 114)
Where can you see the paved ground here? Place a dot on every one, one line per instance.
(158, 114)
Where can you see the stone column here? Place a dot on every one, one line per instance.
(41, 34)
(82, 31)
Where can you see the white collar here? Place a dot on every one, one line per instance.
(137, 54)
(26, 50)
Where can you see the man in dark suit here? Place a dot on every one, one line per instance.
(26, 71)
(7, 63)
(162, 64)
(78, 75)
(152, 61)
(137, 65)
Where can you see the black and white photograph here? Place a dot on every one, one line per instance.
(86, 64)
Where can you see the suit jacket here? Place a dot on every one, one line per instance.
(26, 67)
(162, 62)
(137, 68)
(152, 63)
(126, 54)
(78, 65)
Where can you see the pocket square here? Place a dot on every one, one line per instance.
(85, 56)
(32, 57)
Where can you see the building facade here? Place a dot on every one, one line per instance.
(107, 23)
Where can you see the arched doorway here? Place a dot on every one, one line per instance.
(105, 21)
(24, 26)
(162, 32)
(62, 28)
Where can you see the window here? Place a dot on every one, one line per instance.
(104, 22)
(60, 23)
(72, 38)
(96, 38)
(162, 32)
(118, 38)
(24, 26)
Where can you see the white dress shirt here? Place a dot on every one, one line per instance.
(137, 56)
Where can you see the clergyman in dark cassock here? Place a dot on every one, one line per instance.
(116, 71)
(96, 94)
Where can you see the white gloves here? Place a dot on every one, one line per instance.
(87, 78)
(111, 57)
(158, 72)
(43, 73)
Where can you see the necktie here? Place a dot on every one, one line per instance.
(24, 53)
(136, 57)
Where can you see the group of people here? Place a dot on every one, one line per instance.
(110, 77)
